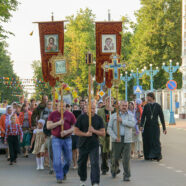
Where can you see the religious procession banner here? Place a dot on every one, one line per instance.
(51, 44)
(108, 42)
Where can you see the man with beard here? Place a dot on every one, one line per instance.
(37, 113)
(151, 129)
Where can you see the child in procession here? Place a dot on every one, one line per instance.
(39, 138)
(13, 130)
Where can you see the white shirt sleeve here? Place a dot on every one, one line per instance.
(35, 131)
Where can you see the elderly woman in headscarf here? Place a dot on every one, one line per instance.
(4, 122)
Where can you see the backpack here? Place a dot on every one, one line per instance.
(45, 130)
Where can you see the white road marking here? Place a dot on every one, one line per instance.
(179, 171)
(169, 167)
(161, 164)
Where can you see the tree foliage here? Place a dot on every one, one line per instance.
(6, 9)
(41, 88)
(12, 91)
(79, 39)
(157, 38)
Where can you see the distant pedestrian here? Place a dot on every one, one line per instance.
(25, 122)
(4, 122)
(38, 111)
(13, 130)
(39, 138)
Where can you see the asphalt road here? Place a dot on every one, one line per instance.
(171, 171)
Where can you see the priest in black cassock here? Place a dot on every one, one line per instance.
(151, 129)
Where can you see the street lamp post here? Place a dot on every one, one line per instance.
(151, 73)
(126, 79)
(137, 76)
(171, 69)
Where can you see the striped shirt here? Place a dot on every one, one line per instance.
(13, 130)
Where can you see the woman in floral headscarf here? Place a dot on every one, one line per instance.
(4, 122)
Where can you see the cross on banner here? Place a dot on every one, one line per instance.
(115, 66)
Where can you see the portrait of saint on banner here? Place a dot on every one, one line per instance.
(60, 67)
(51, 43)
(109, 43)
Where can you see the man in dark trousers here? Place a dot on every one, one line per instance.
(89, 145)
(151, 129)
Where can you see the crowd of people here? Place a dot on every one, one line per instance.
(69, 140)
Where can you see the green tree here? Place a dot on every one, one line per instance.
(79, 39)
(6, 8)
(41, 87)
(157, 39)
(10, 88)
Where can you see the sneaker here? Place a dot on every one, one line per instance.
(42, 167)
(82, 183)
(95, 184)
(59, 181)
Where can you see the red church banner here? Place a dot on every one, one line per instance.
(108, 41)
(51, 43)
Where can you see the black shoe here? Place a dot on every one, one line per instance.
(11, 163)
(104, 173)
(126, 179)
(59, 181)
(51, 172)
(158, 159)
(118, 171)
(26, 156)
(15, 161)
(113, 175)
(8, 159)
(65, 177)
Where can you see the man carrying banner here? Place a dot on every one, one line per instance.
(121, 145)
(89, 145)
(61, 141)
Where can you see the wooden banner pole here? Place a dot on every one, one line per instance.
(62, 126)
(89, 94)
(54, 100)
(117, 111)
